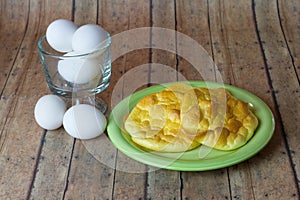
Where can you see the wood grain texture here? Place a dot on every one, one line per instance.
(195, 56)
(56, 146)
(163, 42)
(20, 136)
(255, 45)
(12, 35)
(163, 184)
(130, 176)
(206, 185)
(53, 166)
(192, 19)
(85, 12)
(239, 52)
(88, 176)
(278, 57)
(288, 14)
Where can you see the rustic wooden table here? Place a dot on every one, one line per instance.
(255, 46)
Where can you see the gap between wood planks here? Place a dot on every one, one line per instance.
(18, 51)
(213, 58)
(13, 105)
(281, 125)
(150, 60)
(69, 169)
(285, 41)
(37, 163)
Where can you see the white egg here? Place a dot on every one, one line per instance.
(49, 111)
(88, 38)
(59, 34)
(79, 70)
(84, 121)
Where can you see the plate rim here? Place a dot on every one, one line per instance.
(183, 165)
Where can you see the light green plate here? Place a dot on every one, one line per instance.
(201, 158)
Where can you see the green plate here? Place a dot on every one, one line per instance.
(199, 159)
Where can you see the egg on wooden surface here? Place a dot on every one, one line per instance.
(49, 111)
(84, 121)
(59, 34)
(79, 70)
(88, 38)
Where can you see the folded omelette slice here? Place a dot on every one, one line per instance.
(182, 117)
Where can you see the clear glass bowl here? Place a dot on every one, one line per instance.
(77, 76)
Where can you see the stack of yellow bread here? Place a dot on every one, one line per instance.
(182, 117)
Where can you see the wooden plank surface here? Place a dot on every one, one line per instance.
(199, 185)
(239, 52)
(56, 146)
(284, 84)
(254, 45)
(11, 42)
(231, 58)
(87, 175)
(288, 14)
(130, 177)
(122, 182)
(20, 137)
(162, 183)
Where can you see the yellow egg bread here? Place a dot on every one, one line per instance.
(182, 117)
